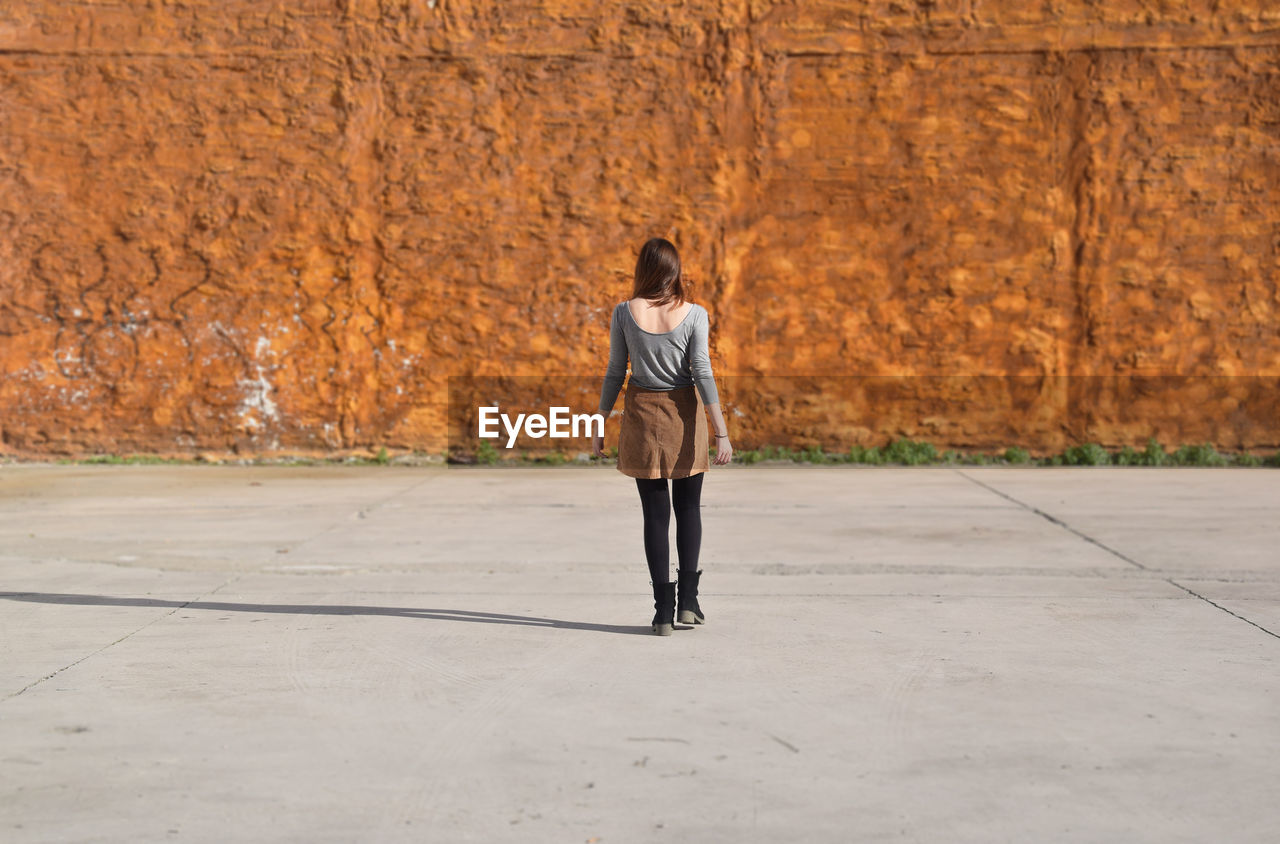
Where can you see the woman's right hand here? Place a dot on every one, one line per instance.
(597, 447)
(724, 451)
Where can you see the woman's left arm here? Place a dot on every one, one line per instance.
(614, 375)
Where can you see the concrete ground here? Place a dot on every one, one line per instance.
(462, 654)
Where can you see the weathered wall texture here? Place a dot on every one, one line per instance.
(251, 225)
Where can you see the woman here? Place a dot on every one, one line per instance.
(664, 427)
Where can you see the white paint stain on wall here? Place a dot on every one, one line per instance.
(257, 409)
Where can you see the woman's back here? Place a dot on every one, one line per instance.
(664, 358)
(658, 319)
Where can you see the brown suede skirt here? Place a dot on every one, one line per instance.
(664, 433)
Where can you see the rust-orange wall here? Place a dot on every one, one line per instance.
(251, 225)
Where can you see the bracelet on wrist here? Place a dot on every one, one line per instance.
(722, 436)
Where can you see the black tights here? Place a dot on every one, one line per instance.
(686, 499)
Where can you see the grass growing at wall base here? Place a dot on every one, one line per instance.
(899, 452)
(125, 460)
(906, 452)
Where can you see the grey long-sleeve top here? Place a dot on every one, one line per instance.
(665, 361)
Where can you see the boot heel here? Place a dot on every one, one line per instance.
(687, 609)
(664, 602)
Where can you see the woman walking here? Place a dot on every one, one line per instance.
(664, 426)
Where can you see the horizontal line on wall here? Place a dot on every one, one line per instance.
(1015, 50)
(796, 49)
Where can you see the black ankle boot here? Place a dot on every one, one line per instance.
(664, 601)
(688, 611)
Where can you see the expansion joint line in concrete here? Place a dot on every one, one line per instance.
(1055, 520)
(53, 674)
(1112, 551)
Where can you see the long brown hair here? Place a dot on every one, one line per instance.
(658, 276)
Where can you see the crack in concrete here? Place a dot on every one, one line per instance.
(1221, 607)
(361, 511)
(194, 600)
(788, 745)
(1113, 551)
(1055, 520)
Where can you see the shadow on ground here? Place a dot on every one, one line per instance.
(312, 609)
